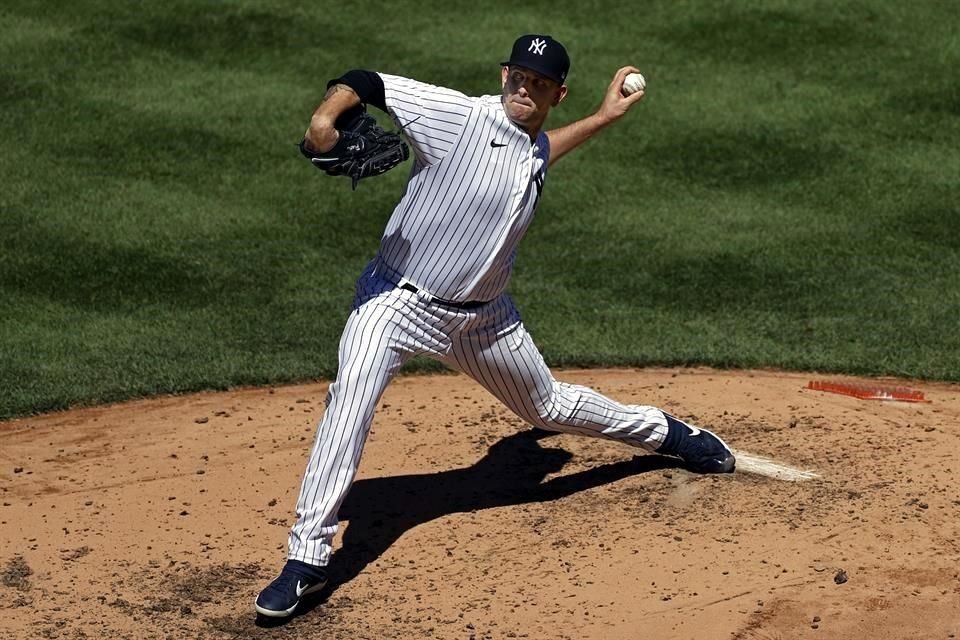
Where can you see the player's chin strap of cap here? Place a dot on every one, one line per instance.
(470, 304)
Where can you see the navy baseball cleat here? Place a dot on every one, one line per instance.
(283, 595)
(701, 450)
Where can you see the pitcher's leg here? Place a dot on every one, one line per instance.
(511, 367)
(387, 326)
(370, 355)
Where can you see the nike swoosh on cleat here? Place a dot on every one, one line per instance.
(300, 589)
(694, 431)
(495, 144)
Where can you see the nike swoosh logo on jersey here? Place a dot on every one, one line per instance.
(300, 589)
(495, 144)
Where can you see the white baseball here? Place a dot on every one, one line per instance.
(632, 83)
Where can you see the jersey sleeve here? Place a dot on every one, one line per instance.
(431, 117)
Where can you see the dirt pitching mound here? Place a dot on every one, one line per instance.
(163, 518)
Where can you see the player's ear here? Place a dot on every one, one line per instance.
(504, 71)
(561, 94)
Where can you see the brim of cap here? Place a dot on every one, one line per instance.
(544, 72)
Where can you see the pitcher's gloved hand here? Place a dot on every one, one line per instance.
(364, 149)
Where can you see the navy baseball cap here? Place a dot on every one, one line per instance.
(541, 53)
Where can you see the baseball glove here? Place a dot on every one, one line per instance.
(363, 150)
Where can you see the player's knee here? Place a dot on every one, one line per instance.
(549, 413)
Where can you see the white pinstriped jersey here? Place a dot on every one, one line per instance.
(473, 190)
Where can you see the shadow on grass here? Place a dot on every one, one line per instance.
(934, 220)
(942, 99)
(380, 510)
(70, 269)
(715, 283)
(752, 158)
(788, 38)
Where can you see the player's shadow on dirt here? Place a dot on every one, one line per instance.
(380, 510)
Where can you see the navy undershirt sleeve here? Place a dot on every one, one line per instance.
(367, 85)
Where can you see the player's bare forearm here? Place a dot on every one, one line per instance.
(613, 107)
(322, 135)
(571, 136)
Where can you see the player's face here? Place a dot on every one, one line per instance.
(528, 96)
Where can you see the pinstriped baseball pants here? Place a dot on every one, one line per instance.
(388, 326)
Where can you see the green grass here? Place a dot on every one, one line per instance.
(786, 196)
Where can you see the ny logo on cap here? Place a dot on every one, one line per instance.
(537, 45)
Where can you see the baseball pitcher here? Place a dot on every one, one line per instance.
(437, 286)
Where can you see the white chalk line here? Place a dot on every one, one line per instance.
(750, 463)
